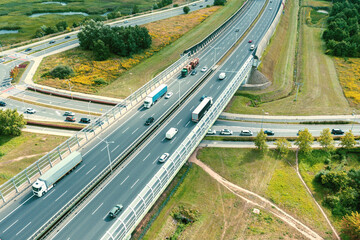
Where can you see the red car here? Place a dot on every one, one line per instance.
(250, 41)
(70, 119)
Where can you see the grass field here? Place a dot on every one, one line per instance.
(86, 70)
(14, 13)
(224, 216)
(320, 93)
(310, 166)
(16, 153)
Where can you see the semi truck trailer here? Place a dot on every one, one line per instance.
(48, 179)
(201, 109)
(155, 95)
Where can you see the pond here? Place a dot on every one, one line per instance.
(61, 3)
(59, 13)
(8, 31)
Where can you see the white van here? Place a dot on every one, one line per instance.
(252, 47)
(222, 76)
(171, 133)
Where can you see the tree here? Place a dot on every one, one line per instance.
(101, 51)
(186, 9)
(135, 9)
(326, 140)
(14, 72)
(351, 225)
(260, 141)
(219, 2)
(61, 72)
(304, 141)
(348, 141)
(283, 146)
(11, 122)
(61, 26)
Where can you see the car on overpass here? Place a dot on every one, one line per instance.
(115, 210)
(30, 111)
(211, 132)
(149, 121)
(68, 113)
(337, 131)
(226, 132)
(246, 133)
(85, 120)
(2, 104)
(269, 132)
(164, 157)
(70, 119)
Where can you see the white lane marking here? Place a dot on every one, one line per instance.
(179, 122)
(90, 170)
(80, 168)
(61, 196)
(211, 85)
(97, 209)
(47, 195)
(187, 123)
(192, 108)
(152, 114)
(163, 139)
(218, 86)
(10, 226)
(156, 159)
(16, 208)
(172, 140)
(135, 183)
(232, 61)
(115, 148)
(142, 115)
(165, 103)
(23, 229)
(124, 180)
(125, 130)
(105, 216)
(146, 157)
(103, 149)
(135, 131)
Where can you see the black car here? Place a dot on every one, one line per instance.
(52, 41)
(2, 104)
(269, 132)
(85, 120)
(193, 72)
(28, 50)
(337, 131)
(149, 121)
(67, 37)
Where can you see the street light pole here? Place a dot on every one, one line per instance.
(89, 108)
(70, 87)
(352, 125)
(108, 150)
(179, 93)
(262, 120)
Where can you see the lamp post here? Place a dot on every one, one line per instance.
(108, 151)
(262, 120)
(352, 125)
(70, 87)
(89, 108)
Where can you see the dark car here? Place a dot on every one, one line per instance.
(115, 211)
(85, 120)
(203, 97)
(67, 37)
(269, 132)
(28, 49)
(193, 72)
(70, 119)
(149, 121)
(52, 41)
(337, 131)
(2, 104)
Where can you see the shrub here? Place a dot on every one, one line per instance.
(175, 5)
(219, 2)
(100, 81)
(186, 9)
(61, 72)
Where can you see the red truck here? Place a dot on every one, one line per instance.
(187, 69)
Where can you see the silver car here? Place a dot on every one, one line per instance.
(226, 132)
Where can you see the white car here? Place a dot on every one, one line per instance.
(168, 95)
(30, 110)
(252, 47)
(68, 113)
(211, 132)
(226, 132)
(246, 133)
(163, 157)
(204, 69)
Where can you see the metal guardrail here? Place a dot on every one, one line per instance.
(25, 178)
(132, 215)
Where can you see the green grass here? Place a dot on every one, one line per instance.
(25, 145)
(221, 214)
(321, 92)
(14, 13)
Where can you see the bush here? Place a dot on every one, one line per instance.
(61, 72)
(219, 2)
(186, 9)
(176, 5)
(100, 81)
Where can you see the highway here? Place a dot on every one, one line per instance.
(124, 187)
(17, 56)
(23, 218)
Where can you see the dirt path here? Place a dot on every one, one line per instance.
(312, 196)
(257, 200)
(21, 158)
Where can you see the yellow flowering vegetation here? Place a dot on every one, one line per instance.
(349, 75)
(90, 75)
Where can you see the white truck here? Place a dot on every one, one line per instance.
(155, 95)
(48, 179)
(171, 133)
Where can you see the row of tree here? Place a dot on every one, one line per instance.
(103, 39)
(11, 122)
(162, 3)
(342, 35)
